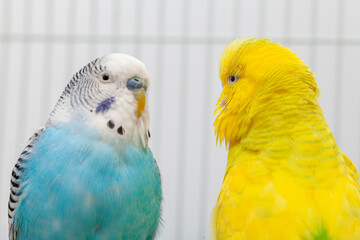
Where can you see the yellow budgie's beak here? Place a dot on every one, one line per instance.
(138, 87)
(141, 100)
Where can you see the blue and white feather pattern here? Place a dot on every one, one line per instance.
(89, 174)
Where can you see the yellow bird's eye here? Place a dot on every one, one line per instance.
(232, 79)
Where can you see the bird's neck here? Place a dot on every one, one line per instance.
(288, 132)
(116, 124)
(283, 117)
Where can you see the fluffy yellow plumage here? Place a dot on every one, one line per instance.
(285, 178)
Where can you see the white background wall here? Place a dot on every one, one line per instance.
(44, 42)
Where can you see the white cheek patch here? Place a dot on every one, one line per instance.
(120, 121)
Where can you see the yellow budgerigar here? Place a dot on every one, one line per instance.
(286, 177)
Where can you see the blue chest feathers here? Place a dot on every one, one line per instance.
(76, 186)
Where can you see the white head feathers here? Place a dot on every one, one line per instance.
(110, 95)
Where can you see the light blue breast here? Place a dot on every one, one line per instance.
(75, 186)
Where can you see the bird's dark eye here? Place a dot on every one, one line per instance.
(232, 79)
(105, 77)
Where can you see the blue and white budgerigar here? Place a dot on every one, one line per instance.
(89, 173)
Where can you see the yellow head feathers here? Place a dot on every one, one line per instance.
(255, 72)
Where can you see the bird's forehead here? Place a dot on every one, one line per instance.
(124, 65)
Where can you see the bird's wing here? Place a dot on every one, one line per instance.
(252, 198)
(15, 183)
(351, 169)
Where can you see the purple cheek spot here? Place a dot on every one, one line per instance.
(105, 105)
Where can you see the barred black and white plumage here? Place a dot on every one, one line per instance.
(81, 81)
(15, 182)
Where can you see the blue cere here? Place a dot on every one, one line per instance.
(134, 84)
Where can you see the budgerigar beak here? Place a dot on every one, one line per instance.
(138, 87)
